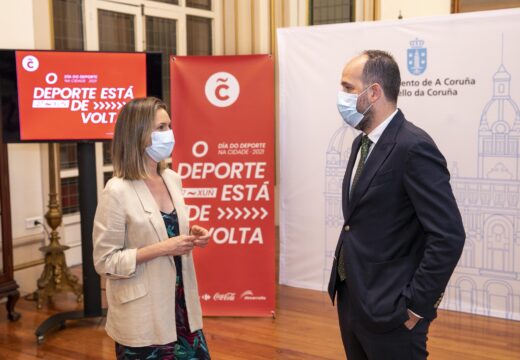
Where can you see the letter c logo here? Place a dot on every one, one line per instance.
(30, 63)
(218, 92)
(222, 89)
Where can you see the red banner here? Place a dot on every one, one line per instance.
(75, 95)
(223, 121)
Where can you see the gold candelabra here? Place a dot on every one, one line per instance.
(56, 276)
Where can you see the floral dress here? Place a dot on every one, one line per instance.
(189, 346)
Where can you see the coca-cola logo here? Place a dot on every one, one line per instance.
(229, 296)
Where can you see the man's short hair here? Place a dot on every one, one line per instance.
(381, 68)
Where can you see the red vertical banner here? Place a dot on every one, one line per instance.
(223, 121)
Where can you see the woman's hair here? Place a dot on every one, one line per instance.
(132, 135)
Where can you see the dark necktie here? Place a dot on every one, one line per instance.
(365, 147)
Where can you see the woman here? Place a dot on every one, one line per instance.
(143, 244)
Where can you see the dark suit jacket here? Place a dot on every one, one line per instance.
(403, 233)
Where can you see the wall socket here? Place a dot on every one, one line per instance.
(30, 223)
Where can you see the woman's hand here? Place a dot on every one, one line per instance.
(179, 245)
(201, 235)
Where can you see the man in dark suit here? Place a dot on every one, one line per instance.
(403, 234)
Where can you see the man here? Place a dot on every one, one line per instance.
(403, 233)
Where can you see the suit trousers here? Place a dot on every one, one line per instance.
(363, 344)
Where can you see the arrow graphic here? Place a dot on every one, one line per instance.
(237, 213)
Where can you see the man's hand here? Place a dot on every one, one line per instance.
(412, 320)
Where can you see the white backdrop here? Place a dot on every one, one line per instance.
(469, 108)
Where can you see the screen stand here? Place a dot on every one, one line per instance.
(91, 281)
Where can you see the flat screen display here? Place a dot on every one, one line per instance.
(71, 96)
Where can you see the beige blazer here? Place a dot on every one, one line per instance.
(141, 299)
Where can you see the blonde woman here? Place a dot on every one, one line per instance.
(143, 243)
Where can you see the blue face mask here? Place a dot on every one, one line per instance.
(347, 106)
(162, 145)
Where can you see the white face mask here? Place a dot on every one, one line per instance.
(347, 106)
(162, 145)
